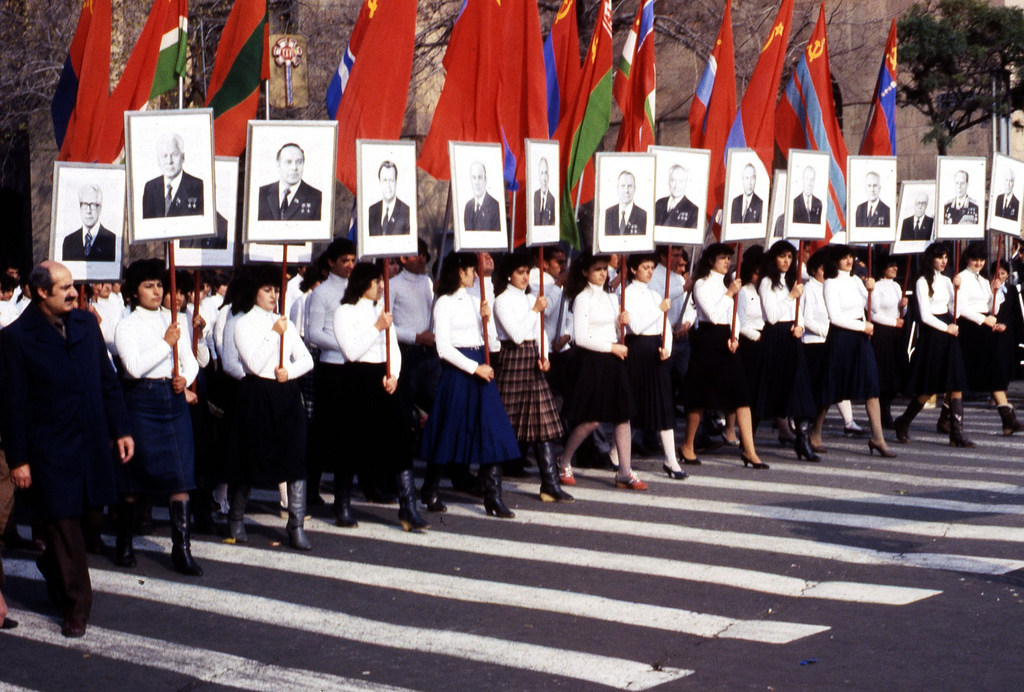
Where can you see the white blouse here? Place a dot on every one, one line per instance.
(645, 315)
(259, 346)
(360, 340)
(939, 303)
(751, 318)
(145, 354)
(714, 305)
(814, 313)
(515, 319)
(776, 303)
(412, 299)
(975, 300)
(457, 324)
(595, 319)
(846, 298)
(885, 302)
(229, 361)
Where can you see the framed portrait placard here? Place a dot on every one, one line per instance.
(746, 191)
(681, 194)
(542, 185)
(171, 186)
(916, 217)
(218, 250)
(87, 219)
(807, 194)
(386, 198)
(960, 181)
(256, 253)
(777, 215)
(478, 196)
(870, 199)
(289, 181)
(1005, 194)
(623, 218)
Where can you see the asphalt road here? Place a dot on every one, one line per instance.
(853, 574)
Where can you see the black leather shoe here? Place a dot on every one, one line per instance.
(73, 628)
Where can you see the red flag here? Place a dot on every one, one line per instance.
(634, 87)
(880, 132)
(90, 49)
(562, 62)
(373, 102)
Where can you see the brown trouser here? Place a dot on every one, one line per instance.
(65, 566)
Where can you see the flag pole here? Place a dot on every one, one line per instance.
(668, 275)
(483, 301)
(540, 294)
(387, 308)
(173, 303)
(736, 298)
(995, 270)
(195, 311)
(284, 290)
(623, 277)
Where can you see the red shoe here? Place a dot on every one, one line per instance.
(630, 483)
(565, 476)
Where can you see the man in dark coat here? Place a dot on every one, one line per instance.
(676, 209)
(747, 207)
(1007, 204)
(92, 242)
(60, 409)
(175, 192)
(918, 226)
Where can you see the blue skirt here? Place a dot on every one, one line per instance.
(850, 371)
(164, 460)
(783, 380)
(468, 423)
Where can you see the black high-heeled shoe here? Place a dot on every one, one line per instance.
(677, 475)
(882, 451)
(689, 462)
(748, 462)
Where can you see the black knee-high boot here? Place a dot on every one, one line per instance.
(493, 503)
(902, 424)
(802, 443)
(296, 526)
(430, 493)
(550, 488)
(956, 424)
(407, 513)
(238, 498)
(181, 540)
(343, 501)
(124, 552)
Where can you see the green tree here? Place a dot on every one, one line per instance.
(962, 62)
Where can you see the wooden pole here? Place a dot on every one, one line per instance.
(623, 276)
(668, 275)
(995, 269)
(387, 308)
(736, 298)
(956, 289)
(799, 274)
(284, 290)
(81, 296)
(540, 294)
(173, 302)
(483, 300)
(195, 311)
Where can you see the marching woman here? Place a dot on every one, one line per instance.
(600, 390)
(522, 363)
(887, 304)
(751, 317)
(816, 324)
(850, 371)
(650, 374)
(980, 329)
(716, 377)
(937, 364)
(468, 423)
(269, 430)
(373, 420)
(164, 460)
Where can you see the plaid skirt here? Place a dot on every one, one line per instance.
(525, 393)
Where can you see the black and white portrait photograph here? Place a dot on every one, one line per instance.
(624, 203)
(171, 184)
(680, 195)
(478, 196)
(386, 198)
(777, 210)
(218, 250)
(1005, 195)
(747, 186)
(916, 217)
(871, 199)
(961, 198)
(542, 185)
(87, 219)
(806, 195)
(289, 181)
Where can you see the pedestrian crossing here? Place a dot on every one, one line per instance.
(617, 591)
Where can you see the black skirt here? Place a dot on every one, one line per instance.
(850, 371)
(890, 359)
(269, 433)
(372, 423)
(650, 379)
(784, 382)
(937, 364)
(600, 390)
(750, 351)
(815, 354)
(984, 362)
(715, 378)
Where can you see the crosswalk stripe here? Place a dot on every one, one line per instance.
(896, 477)
(203, 664)
(8, 687)
(496, 593)
(733, 577)
(603, 670)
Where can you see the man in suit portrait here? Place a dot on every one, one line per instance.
(746, 208)
(625, 218)
(1007, 204)
(807, 207)
(92, 242)
(217, 242)
(389, 216)
(874, 213)
(175, 193)
(291, 198)
(961, 209)
(543, 200)
(676, 210)
(918, 226)
(482, 213)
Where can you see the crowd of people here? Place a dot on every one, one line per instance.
(199, 397)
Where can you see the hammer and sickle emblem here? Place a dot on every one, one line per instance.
(891, 59)
(815, 50)
(563, 10)
(776, 31)
(372, 4)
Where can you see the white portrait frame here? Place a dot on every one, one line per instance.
(1001, 165)
(736, 230)
(857, 170)
(548, 150)
(799, 161)
(226, 171)
(264, 140)
(196, 185)
(607, 169)
(777, 215)
(370, 158)
(697, 164)
(946, 168)
(462, 156)
(66, 219)
(273, 253)
(909, 191)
